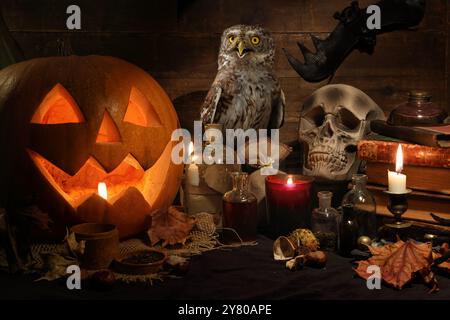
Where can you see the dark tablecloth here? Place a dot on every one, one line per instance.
(244, 273)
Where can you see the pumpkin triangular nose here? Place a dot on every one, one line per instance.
(108, 132)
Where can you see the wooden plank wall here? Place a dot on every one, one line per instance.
(177, 42)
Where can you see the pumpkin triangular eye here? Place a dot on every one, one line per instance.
(58, 107)
(140, 111)
(108, 132)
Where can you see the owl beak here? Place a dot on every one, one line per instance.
(242, 49)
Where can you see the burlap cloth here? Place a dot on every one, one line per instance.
(203, 237)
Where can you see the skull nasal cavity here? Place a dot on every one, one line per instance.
(108, 132)
(327, 131)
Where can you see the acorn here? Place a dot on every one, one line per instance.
(177, 265)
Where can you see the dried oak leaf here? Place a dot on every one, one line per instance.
(75, 247)
(399, 262)
(170, 226)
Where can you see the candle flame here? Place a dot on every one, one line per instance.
(290, 181)
(191, 148)
(399, 159)
(192, 156)
(102, 190)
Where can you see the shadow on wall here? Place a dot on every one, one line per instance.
(188, 108)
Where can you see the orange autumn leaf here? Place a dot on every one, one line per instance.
(399, 262)
(170, 226)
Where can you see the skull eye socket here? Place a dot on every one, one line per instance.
(316, 116)
(58, 107)
(347, 119)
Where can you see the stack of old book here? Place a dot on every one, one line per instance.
(426, 156)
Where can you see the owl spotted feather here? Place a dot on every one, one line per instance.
(246, 92)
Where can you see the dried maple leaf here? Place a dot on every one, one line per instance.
(170, 226)
(399, 262)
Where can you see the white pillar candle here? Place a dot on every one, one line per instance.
(397, 180)
(192, 174)
(193, 177)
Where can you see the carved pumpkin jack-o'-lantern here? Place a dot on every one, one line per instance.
(70, 123)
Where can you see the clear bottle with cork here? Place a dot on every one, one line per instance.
(364, 206)
(324, 222)
(240, 208)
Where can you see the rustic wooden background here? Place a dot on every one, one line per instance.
(177, 42)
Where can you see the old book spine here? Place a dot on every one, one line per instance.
(411, 134)
(413, 154)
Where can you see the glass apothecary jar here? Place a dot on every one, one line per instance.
(419, 110)
(364, 206)
(324, 222)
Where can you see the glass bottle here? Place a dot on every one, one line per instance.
(419, 110)
(364, 206)
(348, 230)
(324, 222)
(240, 208)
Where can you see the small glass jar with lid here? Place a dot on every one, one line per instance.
(324, 222)
(419, 110)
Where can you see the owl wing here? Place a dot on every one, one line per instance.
(277, 116)
(211, 103)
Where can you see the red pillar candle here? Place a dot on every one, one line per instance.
(288, 203)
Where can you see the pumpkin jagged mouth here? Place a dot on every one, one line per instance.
(82, 185)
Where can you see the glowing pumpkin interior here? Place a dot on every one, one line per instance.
(78, 188)
(140, 111)
(108, 132)
(58, 107)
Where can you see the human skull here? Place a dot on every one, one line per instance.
(332, 120)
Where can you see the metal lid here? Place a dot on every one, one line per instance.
(419, 95)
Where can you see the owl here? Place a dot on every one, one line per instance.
(246, 92)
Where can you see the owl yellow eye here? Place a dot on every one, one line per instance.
(255, 40)
(231, 39)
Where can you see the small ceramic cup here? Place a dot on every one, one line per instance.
(102, 244)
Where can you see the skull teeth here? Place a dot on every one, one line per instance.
(332, 161)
